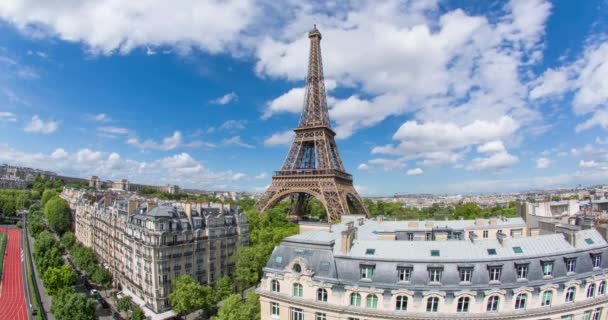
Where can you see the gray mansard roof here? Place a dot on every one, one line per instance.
(320, 251)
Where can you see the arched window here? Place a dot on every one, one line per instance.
(298, 291)
(570, 294)
(432, 304)
(601, 288)
(355, 299)
(401, 303)
(591, 290)
(322, 295)
(546, 298)
(275, 286)
(463, 304)
(493, 302)
(520, 301)
(297, 268)
(371, 301)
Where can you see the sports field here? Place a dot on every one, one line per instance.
(12, 301)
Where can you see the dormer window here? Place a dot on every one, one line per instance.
(297, 268)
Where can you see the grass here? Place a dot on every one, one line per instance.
(2, 249)
(31, 281)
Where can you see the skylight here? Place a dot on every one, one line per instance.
(517, 250)
(589, 241)
(492, 252)
(370, 252)
(434, 253)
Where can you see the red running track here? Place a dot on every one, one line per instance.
(12, 301)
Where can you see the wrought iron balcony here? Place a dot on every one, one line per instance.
(313, 172)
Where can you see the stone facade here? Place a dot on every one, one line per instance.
(147, 244)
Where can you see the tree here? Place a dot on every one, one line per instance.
(84, 258)
(124, 304)
(234, 308)
(137, 314)
(56, 279)
(188, 295)
(35, 224)
(68, 305)
(47, 252)
(57, 212)
(101, 276)
(223, 288)
(47, 195)
(68, 240)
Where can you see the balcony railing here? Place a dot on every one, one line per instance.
(313, 172)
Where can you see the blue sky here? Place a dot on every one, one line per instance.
(444, 97)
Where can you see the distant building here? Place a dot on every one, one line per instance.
(146, 244)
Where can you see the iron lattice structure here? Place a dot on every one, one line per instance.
(313, 167)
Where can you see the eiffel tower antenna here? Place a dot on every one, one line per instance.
(313, 167)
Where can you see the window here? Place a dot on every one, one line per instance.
(432, 304)
(466, 274)
(597, 260)
(401, 303)
(435, 275)
(522, 271)
(274, 309)
(322, 295)
(547, 268)
(591, 290)
(428, 236)
(320, 316)
(297, 268)
(485, 234)
(297, 290)
(494, 273)
(410, 236)
(601, 288)
(571, 265)
(517, 250)
(570, 294)
(355, 299)
(546, 298)
(367, 272)
(493, 302)
(566, 317)
(520, 301)
(589, 241)
(435, 253)
(492, 252)
(587, 315)
(457, 235)
(371, 301)
(275, 285)
(463, 304)
(597, 313)
(370, 252)
(405, 274)
(297, 314)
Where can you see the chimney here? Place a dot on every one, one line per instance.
(501, 236)
(131, 207)
(472, 236)
(188, 209)
(380, 218)
(347, 238)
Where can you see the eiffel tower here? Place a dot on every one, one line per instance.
(313, 167)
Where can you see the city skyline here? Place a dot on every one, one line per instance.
(425, 97)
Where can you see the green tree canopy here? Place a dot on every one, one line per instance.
(57, 213)
(188, 295)
(68, 240)
(101, 276)
(234, 308)
(223, 288)
(56, 279)
(47, 195)
(68, 305)
(124, 303)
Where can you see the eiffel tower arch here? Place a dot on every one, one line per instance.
(313, 167)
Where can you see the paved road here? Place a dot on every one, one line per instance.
(12, 301)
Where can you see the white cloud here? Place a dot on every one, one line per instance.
(550, 83)
(588, 164)
(236, 141)
(101, 117)
(225, 99)
(181, 169)
(114, 130)
(108, 26)
(363, 167)
(543, 163)
(491, 147)
(6, 116)
(233, 125)
(169, 143)
(414, 172)
(495, 162)
(387, 164)
(280, 138)
(37, 125)
(291, 102)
